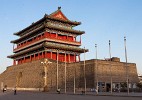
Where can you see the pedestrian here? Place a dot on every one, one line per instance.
(83, 92)
(119, 90)
(15, 91)
(4, 89)
(58, 90)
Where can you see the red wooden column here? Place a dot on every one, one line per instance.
(69, 57)
(49, 34)
(18, 61)
(67, 37)
(30, 57)
(42, 55)
(56, 35)
(38, 56)
(21, 60)
(74, 39)
(24, 59)
(51, 55)
(14, 62)
(74, 57)
(45, 34)
(79, 57)
(34, 56)
(46, 54)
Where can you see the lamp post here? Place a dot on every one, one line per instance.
(96, 71)
(110, 68)
(127, 70)
(45, 63)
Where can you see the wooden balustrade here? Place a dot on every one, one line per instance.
(42, 37)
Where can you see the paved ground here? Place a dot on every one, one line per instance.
(9, 95)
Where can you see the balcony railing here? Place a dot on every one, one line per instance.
(48, 38)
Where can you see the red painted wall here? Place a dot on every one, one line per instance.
(46, 34)
(62, 57)
(72, 58)
(70, 38)
(53, 35)
(54, 56)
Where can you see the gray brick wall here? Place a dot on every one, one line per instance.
(31, 75)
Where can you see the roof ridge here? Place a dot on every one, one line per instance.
(57, 11)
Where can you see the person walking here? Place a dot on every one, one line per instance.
(15, 91)
(58, 90)
(4, 89)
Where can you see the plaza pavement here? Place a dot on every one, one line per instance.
(26, 95)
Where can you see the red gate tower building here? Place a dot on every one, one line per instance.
(51, 37)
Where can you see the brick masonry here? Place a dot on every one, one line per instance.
(31, 75)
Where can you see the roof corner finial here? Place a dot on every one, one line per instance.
(45, 15)
(59, 8)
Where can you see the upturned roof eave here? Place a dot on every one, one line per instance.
(53, 46)
(65, 21)
(64, 47)
(51, 16)
(42, 19)
(15, 41)
(47, 17)
(64, 29)
(25, 51)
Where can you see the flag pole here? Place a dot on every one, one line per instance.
(74, 73)
(57, 67)
(96, 71)
(84, 73)
(127, 75)
(65, 71)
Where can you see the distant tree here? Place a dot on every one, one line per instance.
(139, 85)
(124, 85)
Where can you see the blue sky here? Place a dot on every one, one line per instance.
(102, 20)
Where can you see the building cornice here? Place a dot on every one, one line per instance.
(45, 45)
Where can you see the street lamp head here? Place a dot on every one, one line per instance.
(109, 42)
(95, 45)
(45, 60)
(49, 62)
(124, 38)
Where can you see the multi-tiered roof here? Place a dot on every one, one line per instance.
(52, 33)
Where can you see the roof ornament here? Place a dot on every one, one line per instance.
(45, 15)
(59, 8)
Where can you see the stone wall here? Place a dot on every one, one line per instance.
(31, 75)
(28, 75)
